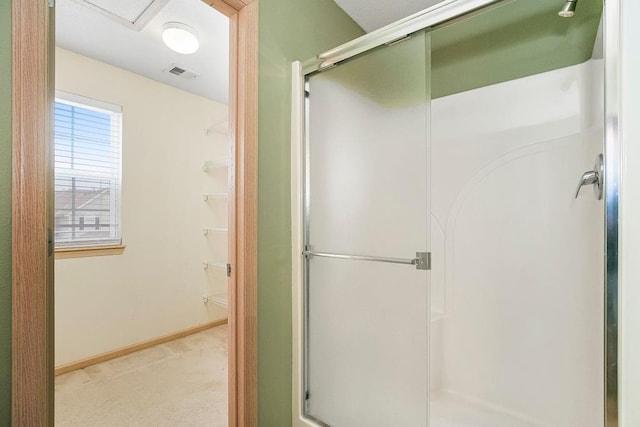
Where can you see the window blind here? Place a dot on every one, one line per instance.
(88, 140)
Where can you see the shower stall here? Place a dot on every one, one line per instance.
(450, 267)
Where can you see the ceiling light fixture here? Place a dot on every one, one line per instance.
(180, 38)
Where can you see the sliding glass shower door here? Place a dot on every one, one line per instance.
(465, 140)
(366, 239)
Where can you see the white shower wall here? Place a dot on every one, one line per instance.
(517, 280)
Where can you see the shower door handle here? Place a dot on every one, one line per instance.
(594, 177)
(422, 261)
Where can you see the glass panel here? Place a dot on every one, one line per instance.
(368, 153)
(368, 174)
(516, 121)
(367, 343)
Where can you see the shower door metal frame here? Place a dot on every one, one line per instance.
(444, 12)
(612, 156)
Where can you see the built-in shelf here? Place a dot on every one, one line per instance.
(206, 231)
(215, 264)
(219, 299)
(218, 163)
(207, 197)
(215, 178)
(220, 127)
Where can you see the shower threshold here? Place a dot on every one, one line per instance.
(452, 410)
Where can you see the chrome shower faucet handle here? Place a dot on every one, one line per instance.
(594, 177)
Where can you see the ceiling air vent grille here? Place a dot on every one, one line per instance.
(181, 72)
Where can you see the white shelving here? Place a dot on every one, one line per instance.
(215, 264)
(220, 299)
(217, 163)
(215, 216)
(206, 231)
(219, 128)
(214, 196)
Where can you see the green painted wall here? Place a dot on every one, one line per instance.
(515, 40)
(289, 30)
(5, 212)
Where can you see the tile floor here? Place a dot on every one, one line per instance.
(179, 383)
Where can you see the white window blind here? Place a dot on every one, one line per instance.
(88, 139)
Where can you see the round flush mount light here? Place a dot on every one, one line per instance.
(180, 38)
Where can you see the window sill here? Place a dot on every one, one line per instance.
(89, 251)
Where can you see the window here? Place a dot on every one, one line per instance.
(88, 137)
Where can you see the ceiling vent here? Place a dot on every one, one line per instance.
(181, 72)
(133, 14)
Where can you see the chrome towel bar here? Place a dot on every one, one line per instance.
(422, 261)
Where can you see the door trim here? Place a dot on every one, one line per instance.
(32, 375)
(32, 215)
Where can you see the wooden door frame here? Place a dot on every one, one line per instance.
(32, 215)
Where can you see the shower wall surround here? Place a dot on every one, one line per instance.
(516, 286)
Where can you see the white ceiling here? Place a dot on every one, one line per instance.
(374, 14)
(132, 39)
(130, 36)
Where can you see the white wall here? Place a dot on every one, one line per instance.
(517, 276)
(156, 286)
(629, 375)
